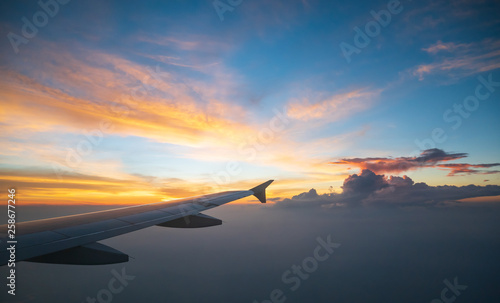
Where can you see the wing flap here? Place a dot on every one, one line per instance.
(192, 221)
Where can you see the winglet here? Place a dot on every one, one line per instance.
(260, 191)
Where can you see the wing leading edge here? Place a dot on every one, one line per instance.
(73, 239)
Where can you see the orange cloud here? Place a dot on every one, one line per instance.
(40, 186)
(65, 94)
(161, 109)
(428, 158)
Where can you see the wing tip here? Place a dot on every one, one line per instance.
(259, 191)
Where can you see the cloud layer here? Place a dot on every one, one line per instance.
(370, 189)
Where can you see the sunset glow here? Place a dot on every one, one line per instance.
(97, 111)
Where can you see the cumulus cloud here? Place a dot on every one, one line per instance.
(428, 158)
(371, 189)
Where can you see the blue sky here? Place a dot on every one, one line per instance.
(187, 94)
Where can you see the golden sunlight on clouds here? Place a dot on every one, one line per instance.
(115, 96)
(40, 187)
(131, 110)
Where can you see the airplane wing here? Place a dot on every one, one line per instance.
(73, 239)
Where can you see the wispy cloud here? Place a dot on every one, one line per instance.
(440, 46)
(428, 158)
(460, 59)
(50, 105)
(39, 186)
(168, 108)
(468, 169)
(333, 107)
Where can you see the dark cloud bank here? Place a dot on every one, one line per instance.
(368, 188)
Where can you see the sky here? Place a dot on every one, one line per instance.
(123, 103)
(378, 121)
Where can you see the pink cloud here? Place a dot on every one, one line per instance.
(460, 60)
(428, 158)
(467, 169)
